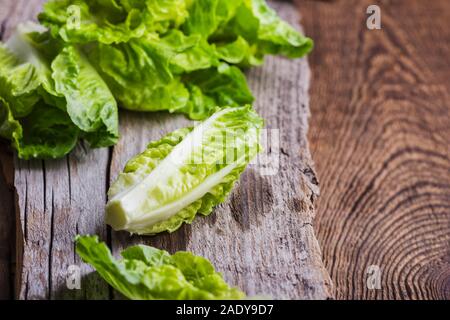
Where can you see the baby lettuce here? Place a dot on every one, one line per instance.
(177, 55)
(188, 171)
(147, 273)
(50, 96)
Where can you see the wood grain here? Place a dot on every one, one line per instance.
(11, 13)
(261, 239)
(380, 136)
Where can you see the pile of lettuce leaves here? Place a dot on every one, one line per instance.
(63, 80)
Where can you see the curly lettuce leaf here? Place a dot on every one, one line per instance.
(39, 76)
(45, 133)
(110, 21)
(177, 73)
(90, 104)
(35, 128)
(139, 75)
(222, 86)
(187, 172)
(24, 45)
(147, 273)
(264, 33)
(275, 36)
(176, 55)
(18, 82)
(187, 53)
(206, 16)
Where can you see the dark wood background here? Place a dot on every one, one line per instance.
(380, 139)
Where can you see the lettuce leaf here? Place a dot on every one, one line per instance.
(187, 172)
(110, 21)
(264, 32)
(222, 86)
(177, 73)
(90, 104)
(46, 132)
(187, 53)
(206, 16)
(18, 82)
(42, 78)
(139, 75)
(147, 273)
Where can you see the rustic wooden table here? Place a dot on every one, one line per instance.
(380, 138)
(379, 135)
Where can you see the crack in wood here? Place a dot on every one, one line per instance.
(50, 250)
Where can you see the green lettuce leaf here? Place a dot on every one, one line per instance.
(264, 32)
(222, 86)
(206, 16)
(147, 273)
(90, 104)
(187, 172)
(139, 75)
(235, 52)
(276, 36)
(23, 46)
(35, 128)
(41, 77)
(45, 133)
(110, 21)
(177, 73)
(187, 53)
(175, 55)
(18, 82)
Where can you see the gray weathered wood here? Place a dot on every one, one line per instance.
(262, 238)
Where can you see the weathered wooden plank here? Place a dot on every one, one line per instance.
(380, 137)
(11, 13)
(262, 238)
(58, 200)
(55, 201)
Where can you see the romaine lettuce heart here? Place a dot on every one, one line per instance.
(147, 273)
(187, 172)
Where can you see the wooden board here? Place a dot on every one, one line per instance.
(380, 136)
(261, 239)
